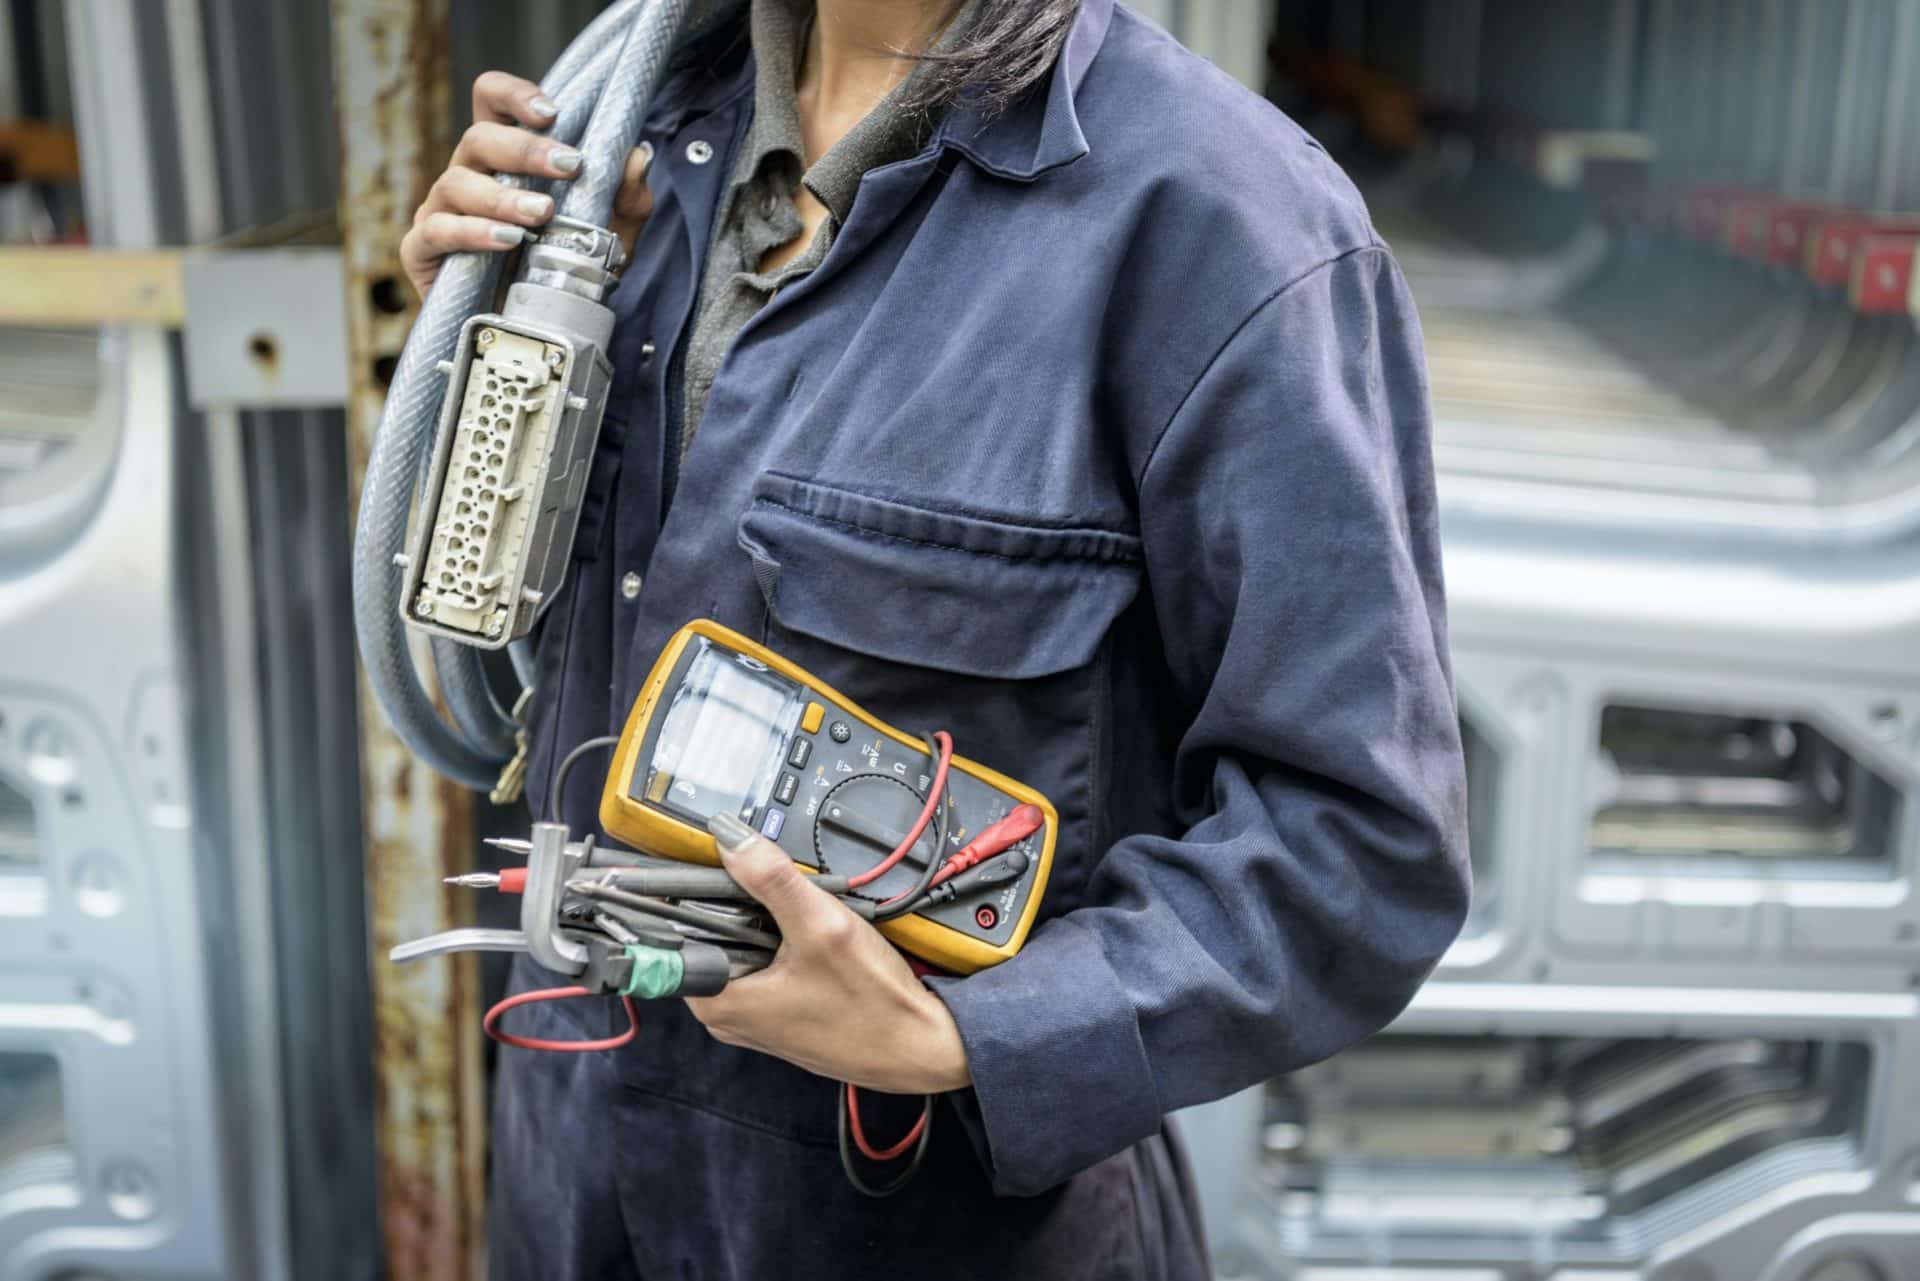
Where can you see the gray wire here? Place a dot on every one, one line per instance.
(469, 695)
(521, 653)
(473, 748)
(601, 87)
(615, 126)
(726, 927)
(476, 712)
(404, 435)
(460, 669)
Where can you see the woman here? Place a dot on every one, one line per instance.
(1046, 386)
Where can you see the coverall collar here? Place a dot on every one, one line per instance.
(1038, 133)
(1041, 131)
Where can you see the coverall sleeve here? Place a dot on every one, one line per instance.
(1292, 548)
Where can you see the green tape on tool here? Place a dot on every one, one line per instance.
(656, 972)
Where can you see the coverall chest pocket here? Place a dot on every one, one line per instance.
(990, 628)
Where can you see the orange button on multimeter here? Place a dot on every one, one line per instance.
(724, 725)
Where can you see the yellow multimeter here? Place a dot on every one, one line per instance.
(724, 725)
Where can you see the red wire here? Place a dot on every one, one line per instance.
(860, 1135)
(564, 1047)
(935, 795)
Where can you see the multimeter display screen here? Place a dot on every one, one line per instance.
(724, 736)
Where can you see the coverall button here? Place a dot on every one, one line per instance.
(699, 151)
(630, 586)
(646, 351)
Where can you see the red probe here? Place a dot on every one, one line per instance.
(508, 880)
(990, 842)
(994, 840)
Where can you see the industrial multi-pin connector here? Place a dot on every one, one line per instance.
(526, 392)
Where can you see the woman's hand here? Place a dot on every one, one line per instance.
(469, 209)
(837, 1000)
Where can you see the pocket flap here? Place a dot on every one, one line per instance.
(966, 594)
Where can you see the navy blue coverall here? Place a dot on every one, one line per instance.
(1101, 439)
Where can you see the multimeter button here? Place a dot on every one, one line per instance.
(798, 753)
(811, 718)
(771, 822)
(840, 731)
(787, 789)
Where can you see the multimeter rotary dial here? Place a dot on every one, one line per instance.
(863, 819)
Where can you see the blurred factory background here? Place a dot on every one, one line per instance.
(1664, 251)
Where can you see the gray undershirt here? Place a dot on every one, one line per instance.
(757, 211)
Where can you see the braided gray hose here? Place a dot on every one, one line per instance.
(476, 711)
(588, 84)
(622, 109)
(576, 81)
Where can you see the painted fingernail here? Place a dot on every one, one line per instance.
(565, 159)
(729, 831)
(503, 234)
(533, 206)
(544, 106)
(646, 154)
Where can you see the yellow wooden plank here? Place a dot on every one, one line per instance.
(63, 286)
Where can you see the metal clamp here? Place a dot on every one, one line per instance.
(576, 257)
(551, 863)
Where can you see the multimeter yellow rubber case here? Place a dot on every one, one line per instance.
(647, 827)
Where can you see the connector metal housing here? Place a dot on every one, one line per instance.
(509, 469)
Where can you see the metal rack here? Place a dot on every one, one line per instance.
(1664, 261)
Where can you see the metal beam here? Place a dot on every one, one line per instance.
(61, 287)
(261, 327)
(390, 61)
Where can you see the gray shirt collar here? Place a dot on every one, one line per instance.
(886, 134)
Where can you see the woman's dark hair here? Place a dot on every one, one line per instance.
(1006, 47)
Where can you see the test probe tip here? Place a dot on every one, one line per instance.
(475, 881)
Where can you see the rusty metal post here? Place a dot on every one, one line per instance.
(390, 60)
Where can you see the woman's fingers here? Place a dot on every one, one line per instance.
(499, 98)
(501, 148)
(634, 201)
(467, 191)
(467, 208)
(436, 235)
